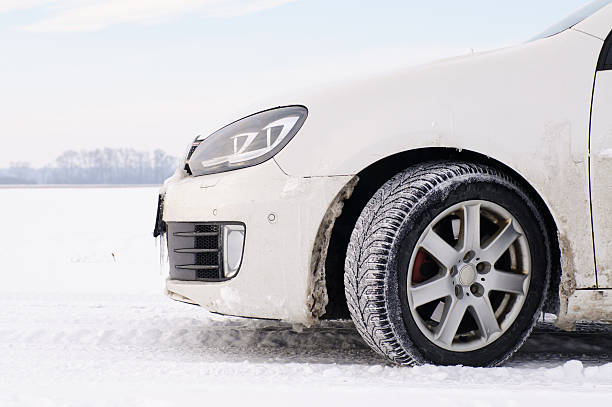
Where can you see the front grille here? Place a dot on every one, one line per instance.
(160, 225)
(191, 150)
(207, 259)
(195, 251)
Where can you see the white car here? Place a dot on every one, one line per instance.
(443, 208)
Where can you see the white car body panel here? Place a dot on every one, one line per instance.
(598, 24)
(527, 123)
(528, 107)
(601, 173)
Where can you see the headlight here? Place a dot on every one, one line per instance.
(246, 142)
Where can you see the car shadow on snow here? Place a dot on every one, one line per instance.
(270, 341)
(590, 343)
(339, 342)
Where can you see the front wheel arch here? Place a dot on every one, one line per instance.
(395, 220)
(371, 178)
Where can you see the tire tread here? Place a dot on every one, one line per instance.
(370, 246)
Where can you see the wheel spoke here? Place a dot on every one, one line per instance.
(506, 282)
(462, 245)
(501, 243)
(444, 253)
(485, 317)
(429, 291)
(450, 322)
(471, 227)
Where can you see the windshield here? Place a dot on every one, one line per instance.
(574, 18)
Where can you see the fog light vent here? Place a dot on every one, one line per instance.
(233, 244)
(205, 251)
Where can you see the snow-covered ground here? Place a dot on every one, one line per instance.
(83, 322)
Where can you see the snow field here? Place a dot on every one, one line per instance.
(83, 322)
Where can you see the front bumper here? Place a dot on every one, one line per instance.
(282, 215)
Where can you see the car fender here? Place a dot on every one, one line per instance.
(527, 107)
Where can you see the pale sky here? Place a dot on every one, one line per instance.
(147, 74)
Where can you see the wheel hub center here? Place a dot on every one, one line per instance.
(467, 274)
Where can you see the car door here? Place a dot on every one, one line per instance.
(601, 165)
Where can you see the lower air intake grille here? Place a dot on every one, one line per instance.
(195, 251)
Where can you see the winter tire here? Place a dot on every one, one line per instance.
(448, 264)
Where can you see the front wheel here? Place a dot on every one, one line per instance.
(448, 264)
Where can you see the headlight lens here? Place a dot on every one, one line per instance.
(247, 142)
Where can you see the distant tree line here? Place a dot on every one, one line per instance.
(99, 166)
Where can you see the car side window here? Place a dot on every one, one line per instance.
(605, 59)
